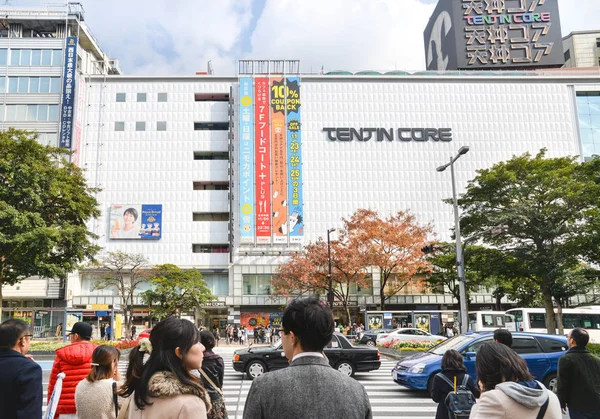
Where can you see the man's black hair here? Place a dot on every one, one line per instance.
(10, 332)
(504, 337)
(311, 321)
(580, 336)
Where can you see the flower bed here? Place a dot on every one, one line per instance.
(49, 346)
(412, 345)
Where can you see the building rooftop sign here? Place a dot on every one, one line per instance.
(493, 34)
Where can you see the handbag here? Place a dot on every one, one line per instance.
(124, 411)
(218, 410)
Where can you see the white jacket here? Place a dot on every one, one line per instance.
(512, 400)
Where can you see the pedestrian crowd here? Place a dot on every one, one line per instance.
(175, 374)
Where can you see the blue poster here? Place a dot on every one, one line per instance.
(275, 319)
(294, 166)
(152, 220)
(246, 161)
(387, 321)
(68, 94)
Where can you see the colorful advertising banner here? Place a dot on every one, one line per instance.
(68, 94)
(252, 320)
(295, 226)
(262, 155)
(246, 161)
(278, 160)
(141, 222)
(276, 319)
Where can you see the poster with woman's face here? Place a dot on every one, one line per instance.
(375, 321)
(134, 221)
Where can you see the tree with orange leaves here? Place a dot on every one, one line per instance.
(307, 272)
(393, 244)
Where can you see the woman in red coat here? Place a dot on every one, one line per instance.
(74, 360)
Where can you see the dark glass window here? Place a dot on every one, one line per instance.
(526, 346)
(551, 345)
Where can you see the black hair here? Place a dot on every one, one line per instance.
(498, 363)
(311, 321)
(207, 339)
(104, 356)
(133, 212)
(504, 337)
(167, 335)
(453, 360)
(580, 336)
(10, 332)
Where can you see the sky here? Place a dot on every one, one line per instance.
(179, 37)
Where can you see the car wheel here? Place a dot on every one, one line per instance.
(370, 343)
(255, 369)
(551, 382)
(345, 368)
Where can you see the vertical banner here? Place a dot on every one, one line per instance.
(278, 161)
(246, 162)
(68, 94)
(262, 155)
(295, 225)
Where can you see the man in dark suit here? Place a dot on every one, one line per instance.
(21, 378)
(309, 387)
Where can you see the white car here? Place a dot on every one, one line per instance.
(408, 334)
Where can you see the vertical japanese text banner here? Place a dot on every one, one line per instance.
(294, 160)
(278, 163)
(262, 153)
(68, 94)
(246, 192)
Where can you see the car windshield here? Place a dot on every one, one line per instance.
(276, 345)
(452, 343)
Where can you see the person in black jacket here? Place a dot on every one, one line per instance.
(579, 378)
(452, 366)
(20, 378)
(214, 368)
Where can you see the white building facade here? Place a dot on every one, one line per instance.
(173, 148)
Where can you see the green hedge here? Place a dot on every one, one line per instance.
(594, 348)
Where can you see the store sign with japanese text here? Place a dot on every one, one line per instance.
(67, 110)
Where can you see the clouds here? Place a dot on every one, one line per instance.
(160, 37)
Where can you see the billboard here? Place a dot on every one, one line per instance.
(246, 169)
(494, 34)
(263, 160)
(68, 93)
(278, 157)
(295, 226)
(135, 222)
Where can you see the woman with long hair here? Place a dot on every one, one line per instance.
(94, 395)
(163, 387)
(452, 367)
(507, 388)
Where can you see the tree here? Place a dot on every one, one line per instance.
(123, 272)
(307, 272)
(393, 244)
(175, 290)
(44, 205)
(541, 202)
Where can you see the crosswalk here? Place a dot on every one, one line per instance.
(388, 400)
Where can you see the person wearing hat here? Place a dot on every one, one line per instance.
(74, 360)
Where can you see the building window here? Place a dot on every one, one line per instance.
(217, 284)
(48, 138)
(161, 125)
(588, 114)
(210, 248)
(211, 186)
(598, 42)
(140, 126)
(36, 57)
(22, 113)
(34, 85)
(211, 97)
(162, 97)
(256, 284)
(2, 84)
(121, 97)
(210, 216)
(211, 155)
(3, 56)
(141, 97)
(567, 55)
(211, 126)
(119, 126)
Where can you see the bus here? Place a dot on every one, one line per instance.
(488, 321)
(534, 320)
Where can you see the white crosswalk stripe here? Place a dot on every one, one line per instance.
(388, 400)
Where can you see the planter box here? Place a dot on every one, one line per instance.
(398, 354)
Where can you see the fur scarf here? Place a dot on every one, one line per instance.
(166, 384)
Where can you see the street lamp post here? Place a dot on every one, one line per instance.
(330, 292)
(460, 267)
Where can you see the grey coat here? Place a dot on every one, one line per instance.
(308, 389)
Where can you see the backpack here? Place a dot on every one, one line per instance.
(461, 400)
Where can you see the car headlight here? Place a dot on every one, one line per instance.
(417, 369)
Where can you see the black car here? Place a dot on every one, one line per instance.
(369, 337)
(342, 356)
